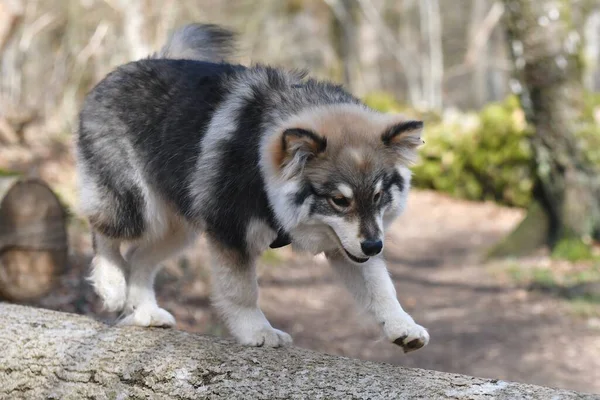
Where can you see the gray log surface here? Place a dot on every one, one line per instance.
(51, 355)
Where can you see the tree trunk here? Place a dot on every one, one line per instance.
(369, 44)
(136, 28)
(33, 239)
(480, 65)
(546, 50)
(51, 355)
(431, 37)
(344, 31)
(11, 13)
(592, 49)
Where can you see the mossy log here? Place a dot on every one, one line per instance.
(33, 239)
(52, 355)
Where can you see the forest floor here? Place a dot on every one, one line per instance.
(483, 317)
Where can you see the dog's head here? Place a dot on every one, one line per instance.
(350, 165)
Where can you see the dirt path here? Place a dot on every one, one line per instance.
(478, 325)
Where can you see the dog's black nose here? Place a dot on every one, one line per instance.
(371, 247)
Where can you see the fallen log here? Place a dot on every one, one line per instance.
(51, 355)
(33, 238)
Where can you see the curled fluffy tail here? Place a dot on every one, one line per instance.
(201, 42)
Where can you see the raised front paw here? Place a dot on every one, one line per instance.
(266, 336)
(407, 335)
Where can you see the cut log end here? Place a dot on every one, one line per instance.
(27, 275)
(33, 239)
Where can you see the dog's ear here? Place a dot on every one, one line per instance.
(296, 147)
(404, 138)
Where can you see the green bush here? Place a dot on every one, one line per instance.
(573, 250)
(588, 135)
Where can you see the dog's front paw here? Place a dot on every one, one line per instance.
(149, 316)
(266, 336)
(409, 336)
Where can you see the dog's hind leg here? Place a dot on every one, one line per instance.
(235, 296)
(141, 308)
(108, 273)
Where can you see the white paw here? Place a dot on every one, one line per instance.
(149, 316)
(267, 336)
(109, 283)
(406, 334)
(113, 298)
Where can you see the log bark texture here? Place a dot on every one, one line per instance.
(50, 355)
(33, 238)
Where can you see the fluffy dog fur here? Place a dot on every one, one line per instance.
(184, 142)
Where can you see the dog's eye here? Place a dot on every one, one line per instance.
(377, 197)
(340, 201)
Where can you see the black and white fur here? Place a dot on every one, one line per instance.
(184, 143)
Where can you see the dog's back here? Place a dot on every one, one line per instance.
(123, 143)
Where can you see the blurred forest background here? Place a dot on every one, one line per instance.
(510, 94)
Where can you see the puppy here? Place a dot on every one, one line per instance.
(184, 143)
